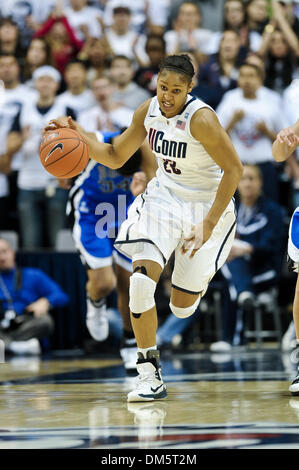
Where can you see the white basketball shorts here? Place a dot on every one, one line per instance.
(160, 218)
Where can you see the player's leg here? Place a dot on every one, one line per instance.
(128, 347)
(293, 264)
(296, 309)
(100, 284)
(96, 256)
(143, 282)
(191, 276)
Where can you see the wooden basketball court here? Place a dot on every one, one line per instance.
(238, 400)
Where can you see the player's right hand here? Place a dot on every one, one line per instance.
(58, 123)
(287, 136)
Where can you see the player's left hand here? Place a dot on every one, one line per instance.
(138, 183)
(199, 234)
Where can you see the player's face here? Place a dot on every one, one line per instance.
(172, 89)
(250, 184)
(7, 256)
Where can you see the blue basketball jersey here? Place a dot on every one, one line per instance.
(102, 184)
(97, 206)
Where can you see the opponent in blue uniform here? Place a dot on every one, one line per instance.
(97, 205)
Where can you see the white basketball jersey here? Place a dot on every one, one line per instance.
(184, 166)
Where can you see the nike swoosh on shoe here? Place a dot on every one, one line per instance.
(154, 390)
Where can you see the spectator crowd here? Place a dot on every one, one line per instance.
(98, 60)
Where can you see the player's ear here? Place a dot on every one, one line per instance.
(191, 85)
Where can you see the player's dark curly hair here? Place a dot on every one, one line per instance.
(180, 63)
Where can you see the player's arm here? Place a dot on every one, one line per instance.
(206, 128)
(116, 154)
(286, 142)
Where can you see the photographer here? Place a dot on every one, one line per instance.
(26, 297)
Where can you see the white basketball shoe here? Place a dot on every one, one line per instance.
(150, 385)
(97, 319)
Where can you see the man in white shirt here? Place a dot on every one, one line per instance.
(252, 121)
(107, 115)
(84, 20)
(123, 39)
(127, 92)
(77, 96)
(187, 36)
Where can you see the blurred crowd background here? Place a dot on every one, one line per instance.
(97, 60)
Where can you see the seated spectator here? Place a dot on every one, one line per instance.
(280, 59)
(38, 54)
(41, 204)
(257, 15)
(96, 55)
(254, 263)
(11, 147)
(146, 76)
(14, 96)
(127, 92)
(220, 72)
(84, 20)
(29, 15)
(187, 36)
(235, 19)
(62, 39)
(252, 120)
(290, 12)
(9, 39)
(138, 10)
(107, 115)
(77, 96)
(123, 39)
(27, 296)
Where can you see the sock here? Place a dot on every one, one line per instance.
(144, 351)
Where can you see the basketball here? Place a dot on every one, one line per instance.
(63, 152)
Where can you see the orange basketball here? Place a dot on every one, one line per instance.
(63, 152)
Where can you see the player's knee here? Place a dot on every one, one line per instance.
(184, 312)
(142, 292)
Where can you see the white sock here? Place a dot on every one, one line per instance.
(144, 351)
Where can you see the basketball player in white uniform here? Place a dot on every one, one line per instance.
(286, 142)
(187, 208)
